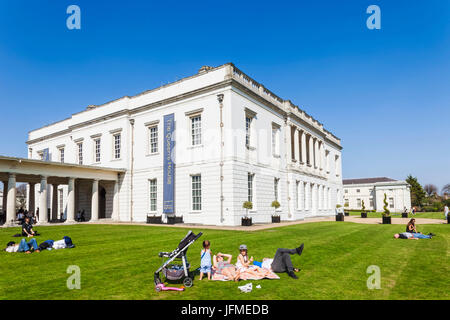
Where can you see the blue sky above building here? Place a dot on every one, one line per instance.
(384, 92)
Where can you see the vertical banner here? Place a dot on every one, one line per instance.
(169, 165)
(46, 154)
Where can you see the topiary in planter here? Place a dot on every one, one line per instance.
(363, 211)
(275, 217)
(246, 221)
(386, 213)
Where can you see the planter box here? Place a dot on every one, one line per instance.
(347, 213)
(275, 219)
(154, 219)
(174, 219)
(363, 214)
(386, 220)
(246, 222)
(404, 214)
(340, 217)
(448, 219)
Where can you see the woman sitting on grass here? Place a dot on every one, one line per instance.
(411, 226)
(225, 267)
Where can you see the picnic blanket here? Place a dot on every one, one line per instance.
(244, 276)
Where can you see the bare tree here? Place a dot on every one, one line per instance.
(430, 189)
(446, 189)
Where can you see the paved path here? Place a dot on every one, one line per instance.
(257, 227)
(260, 226)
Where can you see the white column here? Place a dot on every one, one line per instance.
(11, 201)
(311, 151)
(315, 154)
(32, 197)
(116, 212)
(320, 156)
(296, 145)
(303, 147)
(43, 206)
(323, 155)
(71, 201)
(289, 143)
(55, 202)
(5, 195)
(94, 202)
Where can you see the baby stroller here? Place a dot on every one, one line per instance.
(173, 271)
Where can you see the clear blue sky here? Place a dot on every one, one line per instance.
(385, 92)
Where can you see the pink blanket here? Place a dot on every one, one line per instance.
(244, 276)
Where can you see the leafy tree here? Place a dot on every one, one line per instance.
(417, 192)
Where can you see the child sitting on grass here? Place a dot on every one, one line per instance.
(205, 260)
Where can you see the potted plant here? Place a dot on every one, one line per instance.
(386, 213)
(405, 213)
(339, 215)
(363, 211)
(174, 219)
(346, 211)
(246, 221)
(154, 219)
(275, 217)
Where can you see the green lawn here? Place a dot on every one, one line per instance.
(428, 215)
(117, 262)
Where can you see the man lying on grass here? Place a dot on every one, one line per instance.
(409, 235)
(282, 261)
(23, 246)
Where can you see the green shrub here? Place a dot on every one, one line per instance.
(275, 204)
(247, 205)
(386, 212)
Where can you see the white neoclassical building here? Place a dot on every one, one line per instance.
(372, 191)
(197, 148)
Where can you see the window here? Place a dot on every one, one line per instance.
(153, 195)
(196, 130)
(61, 155)
(345, 191)
(153, 133)
(337, 165)
(97, 154)
(275, 188)
(358, 203)
(305, 195)
(327, 160)
(80, 153)
(248, 123)
(250, 178)
(275, 139)
(371, 203)
(117, 145)
(346, 203)
(197, 192)
(391, 203)
(41, 155)
(358, 190)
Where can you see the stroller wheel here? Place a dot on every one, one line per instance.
(158, 288)
(187, 282)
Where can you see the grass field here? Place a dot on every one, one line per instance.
(117, 262)
(428, 215)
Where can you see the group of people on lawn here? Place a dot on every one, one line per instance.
(30, 244)
(221, 263)
(412, 233)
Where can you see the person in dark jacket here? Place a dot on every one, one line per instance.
(282, 261)
(27, 228)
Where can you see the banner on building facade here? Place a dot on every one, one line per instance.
(46, 154)
(169, 165)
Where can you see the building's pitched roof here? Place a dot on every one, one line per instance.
(367, 180)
